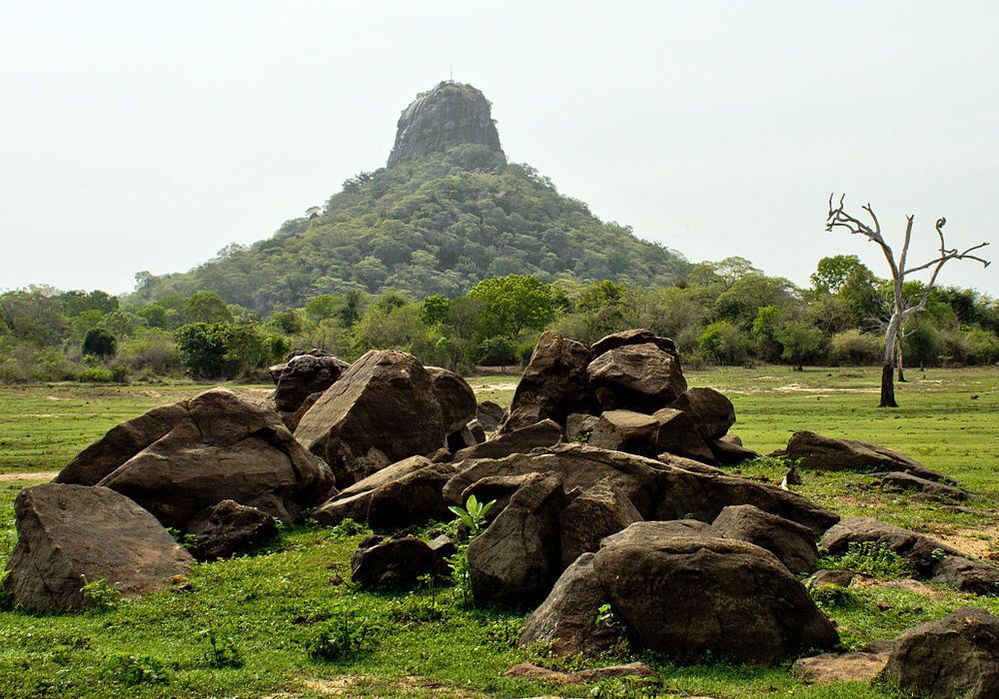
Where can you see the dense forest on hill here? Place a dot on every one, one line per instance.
(725, 312)
(433, 225)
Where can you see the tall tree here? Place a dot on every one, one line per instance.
(902, 308)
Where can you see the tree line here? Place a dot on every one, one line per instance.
(725, 312)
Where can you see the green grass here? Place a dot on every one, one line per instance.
(273, 605)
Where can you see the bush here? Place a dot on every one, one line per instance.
(99, 595)
(724, 343)
(342, 638)
(856, 348)
(99, 343)
(96, 374)
(869, 558)
(151, 351)
(132, 670)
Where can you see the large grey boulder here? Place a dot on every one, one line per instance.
(302, 376)
(832, 454)
(635, 336)
(643, 378)
(957, 656)
(411, 499)
(392, 563)
(567, 620)
(577, 465)
(352, 502)
(70, 535)
(545, 433)
(517, 558)
(229, 529)
(711, 411)
(597, 512)
(456, 398)
(792, 543)
(383, 409)
(178, 460)
(554, 383)
(692, 597)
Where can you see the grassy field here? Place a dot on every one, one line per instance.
(269, 612)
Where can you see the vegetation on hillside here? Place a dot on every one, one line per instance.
(434, 225)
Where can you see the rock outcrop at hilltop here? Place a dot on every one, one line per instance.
(450, 115)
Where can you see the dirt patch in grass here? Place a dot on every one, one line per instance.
(906, 584)
(37, 476)
(977, 543)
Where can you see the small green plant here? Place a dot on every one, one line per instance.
(831, 596)
(473, 514)
(348, 527)
(132, 670)
(96, 374)
(186, 541)
(222, 651)
(461, 576)
(503, 633)
(342, 638)
(583, 437)
(99, 595)
(413, 610)
(869, 558)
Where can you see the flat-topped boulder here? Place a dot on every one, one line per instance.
(824, 453)
(710, 410)
(383, 409)
(71, 535)
(218, 445)
(635, 336)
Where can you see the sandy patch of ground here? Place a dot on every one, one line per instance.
(907, 584)
(798, 388)
(339, 687)
(977, 543)
(36, 476)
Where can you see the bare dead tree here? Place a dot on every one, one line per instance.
(902, 308)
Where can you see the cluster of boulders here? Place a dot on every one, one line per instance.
(604, 476)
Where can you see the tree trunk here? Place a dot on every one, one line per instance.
(888, 387)
(901, 370)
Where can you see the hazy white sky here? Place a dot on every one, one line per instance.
(141, 135)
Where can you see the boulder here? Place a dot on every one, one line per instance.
(690, 597)
(641, 377)
(821, 578)
(567, 619)
(711, 411)
(625, 430)
(792, 543)
(967, 575)
(729, 452)
(579, 466)
(703, 493)
(554, 382)
(901, 482)
(411, 499)
(456, 398)
(678, 434)
(383, 409)
(599, 511)
(495, 489)
(291, 420)
(392, 563)
(957, 656)
(302, 376)
(539, 434)
(517, 558)
(229, 529)
(579, 427)
(640, 532)
(70, 535)
(352, 502)
(468, 436)
(120, 444)
(831, 454)
(490, 415)
(637, 336)
(219, 446)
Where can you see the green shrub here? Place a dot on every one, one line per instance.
(222, 651)
(856, 348)
(869, 558)
(473, 514)
(99, 595)
(132, 670)
(96, 374)
(342, 638)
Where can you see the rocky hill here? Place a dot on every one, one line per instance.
(447, 212)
